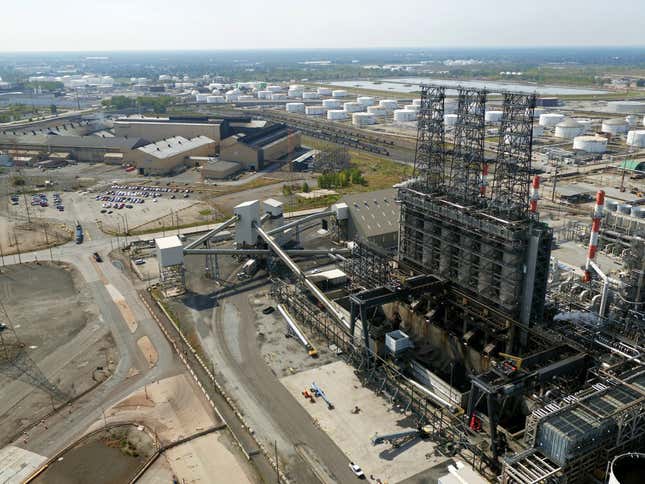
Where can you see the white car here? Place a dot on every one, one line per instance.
(139, 262)
(356, 469)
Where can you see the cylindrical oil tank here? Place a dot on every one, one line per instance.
(201, 97)
(278, 96)
(366, 100)
(245, 97)
(493, 116)
(643, 120)
(274, 88)
(353, 107)
(315, 110)
(636, 138)
(363, 119)
(537, 112)
(294, 93)
(404, 115)
(332, 103)
(625, 209)
(612, 205)
(569, 128)
(412, 107)
(538, 130)
(339, 93)
(377, 110)
(215, 99)
(627, 107)
(296, 87)
(549, 120)
(264, 94)
(416, 102)
(627, 469)
(584, 123)
(310, 95)
(631, 119)
(449, 120)
(389, 104)
(590, 144)
(231, 98)
(614, 126)
(336, 114)
(638, 212)
(324, 91)
(295, 107)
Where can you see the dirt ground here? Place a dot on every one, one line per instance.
(20, 236)
(64, 344)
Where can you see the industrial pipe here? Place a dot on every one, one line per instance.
(212, 233)
(221, 251)
(314, 216)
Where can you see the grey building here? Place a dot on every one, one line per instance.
(374, 217)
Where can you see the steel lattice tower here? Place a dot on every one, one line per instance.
(430, 155)
(510, 191)
(468, 153)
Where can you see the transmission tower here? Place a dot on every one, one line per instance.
(430, 155)
(510, 192)
(467, 159)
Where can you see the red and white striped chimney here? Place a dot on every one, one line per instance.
(595, 229)
(484, 182)
(535, 194)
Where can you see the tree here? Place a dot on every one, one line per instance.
(54, 109)
(305, 187)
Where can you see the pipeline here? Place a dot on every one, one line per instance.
(212, 233)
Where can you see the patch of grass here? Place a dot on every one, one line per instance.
(205, 212)
(296, 203)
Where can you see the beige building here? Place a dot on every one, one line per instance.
(170, 155)
(155, 129)
(254, 151)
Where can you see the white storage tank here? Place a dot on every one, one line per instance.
(412, 107)
(590, 144)
(627, 107)
(416, 102)
(296, 87)
(295, 107)
(353, 107)
(294, 94)
(493, 116)
(215, 99)
(636, 138)
(315, 110)
(339, 93)
(643, 120)
(366, 100)
(612, 205)
(264, 94)
(278, 96)
(245, 97)
(569, 128)
(201, 98)
(324, 91)
(332, 103)
(449, 120)
(638, 212)
(537, 112)
(389, 104)
(625, 208)
(632, 119)
(614, 126)
(363, 119)
(404, 115)
(377, 110)
(336, 114)
(310, 95)
(450, 105)
(585, 123)
(549, 120)
(538, 130)
(231, 98)
(274, 88)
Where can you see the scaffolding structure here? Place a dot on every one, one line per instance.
(368, 267)
(430, 155)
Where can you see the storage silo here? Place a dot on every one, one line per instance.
(404, 115)
(549, 120)
(493, 116)
(336, 114)
(569, 128)
(363, 119)
(614, 126)
(295, 107)
(377, 110)
(449, 120)
(353, 107)
(389, 104)
(339, 93)
(636, 138)
(324, 91)
(366, 100)
(332, 103)
(310, 95)
(590, 144)
(315, 110)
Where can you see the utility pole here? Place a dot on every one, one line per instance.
(51, 256)
(24, 197)
(17, 246)
(277, 462)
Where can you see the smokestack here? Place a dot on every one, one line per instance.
(595, 228)
(535, 194)
(484, 182)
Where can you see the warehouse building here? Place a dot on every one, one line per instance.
(156, 129)
(170, 155)
(220, 170)
(373, 217)
(254, 151)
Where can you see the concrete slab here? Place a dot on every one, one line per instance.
(17, 464)
(353, 432)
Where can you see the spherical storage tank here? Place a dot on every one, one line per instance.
(295, 107)
(404, 115)
(353, 107)
(362, 119)
(614, 126)
(365, 100)
(569, 128)
(636, 138)
(336, 114)
(493, 116)
(377, 110)
(389, 104)
(332, 103)
(549, 120)
(627, 107)
(339, 93)
(450, 120)
(310, 95)
(590, 144)
(315, 110)
(324, 91)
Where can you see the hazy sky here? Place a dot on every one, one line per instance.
(248, 24)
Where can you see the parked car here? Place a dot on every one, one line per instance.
(356, 469)
(139, 262)
(97, 257)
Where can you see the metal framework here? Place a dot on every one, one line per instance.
(430, 155)
(467, 160)
(367, 268)
(510, 190)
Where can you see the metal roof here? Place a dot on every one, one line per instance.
(58, 141)
(374, 213)
(635, 165)
(176, 145)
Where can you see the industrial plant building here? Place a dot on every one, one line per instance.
(170, 155)
(156, 129)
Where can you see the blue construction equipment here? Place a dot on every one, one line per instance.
(316, 390)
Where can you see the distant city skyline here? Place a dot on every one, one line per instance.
(75, 25)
